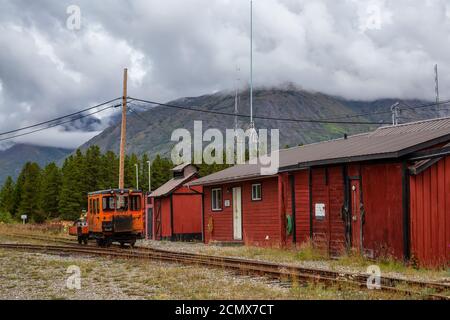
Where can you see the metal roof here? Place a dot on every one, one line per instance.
(182, 166)
(171, 185)
(387, 142)
(114, 191)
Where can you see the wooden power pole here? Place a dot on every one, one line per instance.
(123, 132)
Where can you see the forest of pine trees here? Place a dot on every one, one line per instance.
(54, 192)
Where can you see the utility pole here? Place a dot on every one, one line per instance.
(149, 177)
(395, 113)
(123, 132)
(137, 176)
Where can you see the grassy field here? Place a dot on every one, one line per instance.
(41, 276)
(307, 256)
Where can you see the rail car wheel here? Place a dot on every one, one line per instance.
(107, 242)
(132, 243)
(100, 242)
(80, 240)
(85, 241)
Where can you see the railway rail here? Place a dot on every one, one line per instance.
(426, 290)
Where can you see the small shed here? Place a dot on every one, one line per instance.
(176, 213)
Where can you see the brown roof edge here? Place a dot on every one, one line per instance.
(176, 184)
(230, 180)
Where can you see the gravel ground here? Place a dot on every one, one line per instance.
(290, 257)
(42, 276)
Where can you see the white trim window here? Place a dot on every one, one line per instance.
(216, 199)
(256, 192)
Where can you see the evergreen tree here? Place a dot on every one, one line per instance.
(7, 196)
(110, 171)
(30, 196)
(143, 177)
(130, 170)
(71, 196)
(50, 190)
(161, 171)
(18, 192)
(92, 170)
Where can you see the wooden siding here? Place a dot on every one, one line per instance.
(328, 188)
(430, 215)
(302, 205)
(166, 230)
(260, 219)
(187, 212)
(382, 201)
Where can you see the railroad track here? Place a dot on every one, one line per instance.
(428, 290)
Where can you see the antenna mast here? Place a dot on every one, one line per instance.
(436, 79)
(436, 75)
(252, 124)
(236, 98)
(123, 132)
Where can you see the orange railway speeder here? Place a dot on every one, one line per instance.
(115, 215)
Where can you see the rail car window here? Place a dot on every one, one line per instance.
(108, 203)
(91, 207)
(216, 199)
(135, 203)
(97, 207)
(122, 203)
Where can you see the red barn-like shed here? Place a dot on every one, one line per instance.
(177, 208)
(382, 193)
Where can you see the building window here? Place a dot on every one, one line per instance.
(256, 192)
(216, 199)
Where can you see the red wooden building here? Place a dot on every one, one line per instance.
(382, 193)
(175, 207)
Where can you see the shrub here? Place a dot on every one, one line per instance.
(5, 217)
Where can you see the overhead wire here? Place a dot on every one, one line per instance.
(255, 116)
(60, 123)
(59, 118)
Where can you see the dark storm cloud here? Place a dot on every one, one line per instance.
(355, 49)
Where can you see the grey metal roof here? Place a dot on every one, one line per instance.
(383, 143)
(114, 191)
(170, 186)
(182, 166)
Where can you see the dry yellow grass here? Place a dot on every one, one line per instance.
(40, 276)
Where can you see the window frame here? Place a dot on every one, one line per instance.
(260, 192)
(213, 191)
(134, 202)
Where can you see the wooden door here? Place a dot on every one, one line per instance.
(356, 215)
(237, 213)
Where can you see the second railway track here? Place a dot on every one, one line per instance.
(427, 290)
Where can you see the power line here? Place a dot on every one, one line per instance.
(408, 107)
(60, 123)
(59, 118)
(255, 117)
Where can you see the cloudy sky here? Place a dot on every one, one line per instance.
(173, 48)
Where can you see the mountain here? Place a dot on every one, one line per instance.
(13, 159)
(150, 131)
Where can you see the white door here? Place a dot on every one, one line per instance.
(237, 214)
